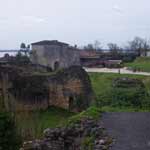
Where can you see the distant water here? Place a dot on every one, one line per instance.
(11, 54)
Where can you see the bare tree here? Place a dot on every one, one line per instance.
(89, 47)
(139, 45)
(114, 48)
(95, 46)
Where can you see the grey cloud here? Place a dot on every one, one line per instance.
(72, 21)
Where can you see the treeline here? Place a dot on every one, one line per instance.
(138, 45)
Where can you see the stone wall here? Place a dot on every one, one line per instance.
(54, 56)
(86, 134)
(22, 90)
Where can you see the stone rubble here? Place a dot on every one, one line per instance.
(72, 137)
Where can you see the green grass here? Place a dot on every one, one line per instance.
(102, 86)
(32, 124)
(92, 112)
(101, 82)
(140, 64)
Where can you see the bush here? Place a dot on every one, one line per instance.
(128, 92)
(88, 143)
(9, 139)
(128, 97)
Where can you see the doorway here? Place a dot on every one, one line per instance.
(71, 103)
(56, 65)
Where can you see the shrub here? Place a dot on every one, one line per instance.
(129, 92)
(88, 143)
(9, 139)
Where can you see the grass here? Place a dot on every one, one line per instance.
(102, 85)
(101, 82)
(91, 112)
(140, 64)
(32, 124)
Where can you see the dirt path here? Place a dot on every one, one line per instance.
(122, 71)
(131, 130)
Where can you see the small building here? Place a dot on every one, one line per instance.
(54, 54)
(113, 63)
(89, 58)
(99, 59)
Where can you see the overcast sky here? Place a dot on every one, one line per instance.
(73, 21)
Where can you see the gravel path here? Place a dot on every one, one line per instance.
(131, 130)
(122, 71)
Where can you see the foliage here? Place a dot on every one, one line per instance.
(126, 58)
(88, 143)
(140, 64)
(31, 124)
(128, 97)
(114, 49)
(93, 46)
(9, 139)
(139, 45)
(108, 96)
(20, 58)
(22, 46)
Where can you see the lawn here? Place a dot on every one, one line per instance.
(102, 86)
(32, 124)
(140, 64)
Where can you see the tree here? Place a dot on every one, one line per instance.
(28, 47)
(114, 49)
(113, 46)
(139, 45)
(23, 46)
(89, 47)
(6, 56)
(21, 59)
(95, 46)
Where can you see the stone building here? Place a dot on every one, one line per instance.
(54, 54)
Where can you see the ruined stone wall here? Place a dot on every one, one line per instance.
(71, 89)
(68, 89)
(51, 54)
(87, 134)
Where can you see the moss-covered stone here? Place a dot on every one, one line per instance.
(23, 89)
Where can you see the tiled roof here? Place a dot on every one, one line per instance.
(88, 54)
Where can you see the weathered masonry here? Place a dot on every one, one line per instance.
(54, 54)
(22, 90)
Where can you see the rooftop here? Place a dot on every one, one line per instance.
(52, 42)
